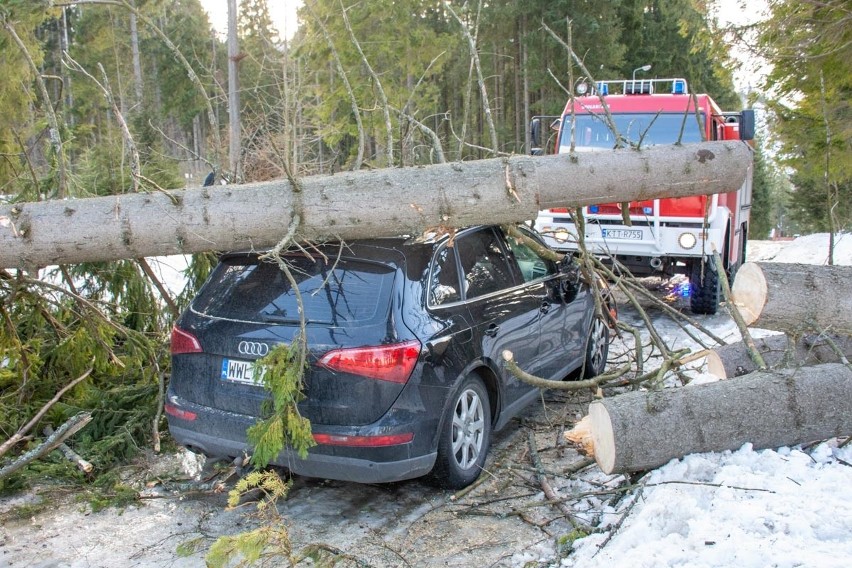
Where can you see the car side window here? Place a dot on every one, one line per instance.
(444, 284)
(485, 266)
(532, 266)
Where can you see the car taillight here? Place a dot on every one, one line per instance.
(363, 441)
(392, 363)
(184, 342)
(173, 410)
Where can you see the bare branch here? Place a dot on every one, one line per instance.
(18, 436)
(71, 427)
(474, 55)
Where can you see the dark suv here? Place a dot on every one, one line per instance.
(405, 338)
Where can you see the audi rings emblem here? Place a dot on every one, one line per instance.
(252, 348)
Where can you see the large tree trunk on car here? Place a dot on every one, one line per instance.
(795, 298)
(358, 204)
(643, 430)
(779, 351)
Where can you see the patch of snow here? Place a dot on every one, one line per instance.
(808, 249)
(191, 463)
(745, 508)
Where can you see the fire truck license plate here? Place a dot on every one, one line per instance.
(634, 234)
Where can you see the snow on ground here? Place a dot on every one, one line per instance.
(782, 508)
(809, 249)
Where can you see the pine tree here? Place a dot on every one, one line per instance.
(810, 47)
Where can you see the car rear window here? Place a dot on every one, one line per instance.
(337, 292)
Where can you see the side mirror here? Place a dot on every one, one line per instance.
(569, 283)
(535, 137)
(747, 125)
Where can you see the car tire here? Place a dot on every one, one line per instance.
(465, 436)
(597, 348)
(704, 288)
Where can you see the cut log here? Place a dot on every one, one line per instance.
(581, 436)
(358, 204)
(638, 431)
(795, 298)
(778, 351)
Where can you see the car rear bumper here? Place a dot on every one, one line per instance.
(218, 433)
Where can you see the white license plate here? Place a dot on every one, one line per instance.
(630, 234)
(235, 371)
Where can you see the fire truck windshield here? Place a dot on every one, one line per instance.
(592, 132)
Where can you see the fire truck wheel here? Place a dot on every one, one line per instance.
(704, 288)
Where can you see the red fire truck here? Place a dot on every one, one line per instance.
(665, 236)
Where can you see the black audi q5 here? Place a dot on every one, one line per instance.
(405, 338)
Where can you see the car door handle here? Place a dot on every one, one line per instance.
(492, 330)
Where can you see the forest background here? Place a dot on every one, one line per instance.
(104, 97)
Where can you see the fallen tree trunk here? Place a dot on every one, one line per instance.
(733, 360)
(643, 430)
(357, 204)
(795, 298)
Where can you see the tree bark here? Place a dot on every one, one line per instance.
(643, 430)
(795, 298)
(235, 132)
(733, 360)
(360, 204)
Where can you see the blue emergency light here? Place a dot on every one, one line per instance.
(679, 87)
(603, 88)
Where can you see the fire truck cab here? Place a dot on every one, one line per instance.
(664, 236)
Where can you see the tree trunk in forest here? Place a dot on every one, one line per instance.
(795, 298)
(355, 205)
(66, 76)
(235, 147)
(779, 351)
(638, 431)
(137, 63)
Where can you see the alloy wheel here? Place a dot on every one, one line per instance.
(468, 432)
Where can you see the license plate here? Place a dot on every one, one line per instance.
(629, 234)
(235, 371)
